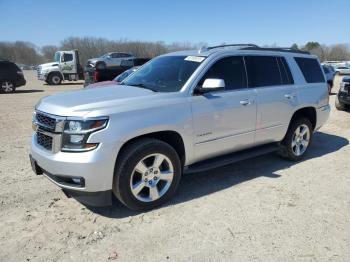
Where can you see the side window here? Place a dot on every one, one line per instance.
(231, 70)
(263, 71)
(286, 75)
(116, 55)
(68, 57)
(311, 69)
(325, 69)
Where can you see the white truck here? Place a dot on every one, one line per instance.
(66, 67)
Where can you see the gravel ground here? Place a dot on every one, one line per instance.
(263, 209)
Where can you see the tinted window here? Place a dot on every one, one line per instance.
(310, 69)
(263, 71)
(231, 70)
(164, 73)
(286, 75)
(68, 57)
(325, 69)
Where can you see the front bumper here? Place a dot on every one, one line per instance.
(322, 116)
(42, 76)
(344, 97)
(83, 174)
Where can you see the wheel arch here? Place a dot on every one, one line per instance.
(309, 112)
(54, 72)
(173, 138)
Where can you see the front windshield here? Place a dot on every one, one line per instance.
(165, 74)
(57, 57)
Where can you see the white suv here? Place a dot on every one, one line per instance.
(181, 112)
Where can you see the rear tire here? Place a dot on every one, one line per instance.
(54, 79)
(297, 141)
(339, 105)
(147, 174)
(7, 86)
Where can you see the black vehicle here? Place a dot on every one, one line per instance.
(11, 77)
(342, 101)
(93, 75)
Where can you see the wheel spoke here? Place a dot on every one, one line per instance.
(303, 131)
(136, 189)
(297, 131)
(141, 167)
(305, 143)
(297, 150)
(166, 175)
(158, 160)
(294, 143)
(153, 192)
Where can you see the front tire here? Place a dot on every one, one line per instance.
(101, 65)
(54, 79)
(147, 174)
(297, 140)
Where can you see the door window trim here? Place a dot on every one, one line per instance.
(208, 66)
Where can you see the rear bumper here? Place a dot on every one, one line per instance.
(20, 82)
(322, 116)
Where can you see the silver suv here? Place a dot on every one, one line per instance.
(181, 112)
(111, 60)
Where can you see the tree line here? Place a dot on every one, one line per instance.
(89, 47)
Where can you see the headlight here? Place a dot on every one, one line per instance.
(76, 133)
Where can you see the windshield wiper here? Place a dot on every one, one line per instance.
(142, 86)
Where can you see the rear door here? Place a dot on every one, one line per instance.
(276, 96)
(224, 121)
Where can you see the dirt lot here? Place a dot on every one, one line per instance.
(264, 209)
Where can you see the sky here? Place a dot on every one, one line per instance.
(284, 22)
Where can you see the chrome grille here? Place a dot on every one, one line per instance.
(46, 121)
(44, 140)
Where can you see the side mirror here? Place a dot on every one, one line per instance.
(211, 84)
(108, 57)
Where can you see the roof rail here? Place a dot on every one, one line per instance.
(203, 49)
(255, 47)
(279, 49)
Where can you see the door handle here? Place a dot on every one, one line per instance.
(289, 96)
(245, 102)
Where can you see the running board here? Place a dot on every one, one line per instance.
(231, 158)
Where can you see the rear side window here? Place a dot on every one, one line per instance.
(231, 70)
(311, 69)
(263, 71)
(286, 75)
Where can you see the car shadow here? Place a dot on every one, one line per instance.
(27, 91)
(65, 84)
(201, 184)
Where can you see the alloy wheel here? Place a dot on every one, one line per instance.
(300, 140)
(151, 177)
(7, 87)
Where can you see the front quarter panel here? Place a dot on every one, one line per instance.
(168, 115)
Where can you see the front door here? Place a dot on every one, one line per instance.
(68, 63)
(224, 121)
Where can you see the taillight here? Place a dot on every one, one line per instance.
(96, 76)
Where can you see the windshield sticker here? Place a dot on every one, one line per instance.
(195, 58)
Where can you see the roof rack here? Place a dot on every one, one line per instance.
(279, 49)
(255, 47)
(203, 49)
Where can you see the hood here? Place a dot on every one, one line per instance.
(93, 60)
(51, 64)
(81, 102)
(102, 84)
